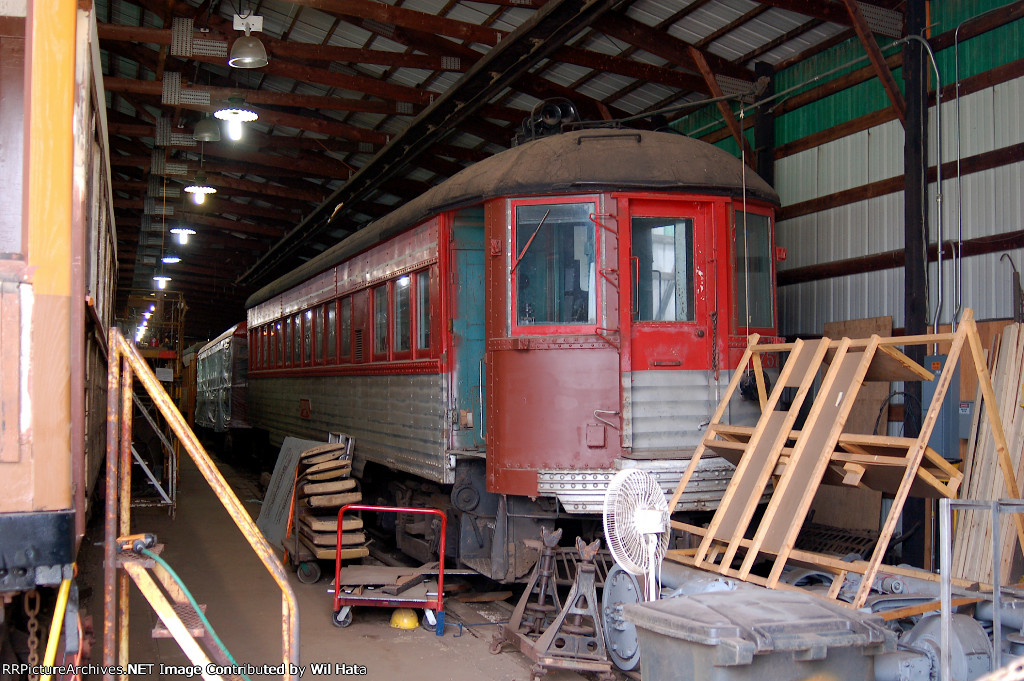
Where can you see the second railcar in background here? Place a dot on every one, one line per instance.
(504, 343)
(222, 371)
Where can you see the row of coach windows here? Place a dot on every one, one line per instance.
(331, 333)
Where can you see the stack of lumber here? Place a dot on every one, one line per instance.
(983, 477)
(323, 484)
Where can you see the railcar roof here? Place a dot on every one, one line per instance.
(587, 160)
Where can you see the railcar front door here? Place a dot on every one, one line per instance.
(670, 309)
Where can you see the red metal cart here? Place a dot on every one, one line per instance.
(424, 595)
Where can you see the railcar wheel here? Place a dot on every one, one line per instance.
(343, 617)
(308, 572)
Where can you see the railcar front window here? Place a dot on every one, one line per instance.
(402, 319)
(554, 265)
(380, 320)
(754, 287)
(423, 310)
(663, 269)
(332, 315)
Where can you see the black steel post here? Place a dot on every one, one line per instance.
(915, 163)
(764, 126)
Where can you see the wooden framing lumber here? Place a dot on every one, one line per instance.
(821, 453)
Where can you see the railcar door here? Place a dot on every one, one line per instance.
(669, 307)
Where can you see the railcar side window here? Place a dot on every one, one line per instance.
(318, 335)
(380, 319)
(423, 310)
(554, 264)
(402, 315)
(332, 319)
(663, 269)
(278, 354)
(297, 340)
(346, 327)
(753, 280)
(307, 337)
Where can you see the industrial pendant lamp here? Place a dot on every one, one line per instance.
(248, 51)
(206, 130)
(235, 113)
(183, 233)
(199, 187)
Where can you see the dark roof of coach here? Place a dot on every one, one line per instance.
(580, 161)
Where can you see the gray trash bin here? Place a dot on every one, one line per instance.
(755, 635)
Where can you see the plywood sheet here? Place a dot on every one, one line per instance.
(850, 507)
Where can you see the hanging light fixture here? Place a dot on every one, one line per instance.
(183, 233)
(161, 280)
(248, 51)
(236, 113)
(170, 259)
(199, 188)
(206, 130)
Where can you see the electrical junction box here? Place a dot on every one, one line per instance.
(253, 22)
(945, 437)
(966, 413)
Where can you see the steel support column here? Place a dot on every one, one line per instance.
(764, 126)
(915, 234)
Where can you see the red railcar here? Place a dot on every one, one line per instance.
(507, 341)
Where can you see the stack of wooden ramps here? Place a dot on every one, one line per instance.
(774, 458)
(323, 484)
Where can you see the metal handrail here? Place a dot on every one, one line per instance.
(118, 452)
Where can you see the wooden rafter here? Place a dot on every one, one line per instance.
(723, 107)
(867, 39)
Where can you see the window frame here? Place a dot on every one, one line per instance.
(734, 211)
(418, 284)
(590, 328)
(375, 291)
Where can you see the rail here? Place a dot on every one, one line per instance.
(124, 365)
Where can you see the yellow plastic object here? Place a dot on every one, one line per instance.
(404, 618)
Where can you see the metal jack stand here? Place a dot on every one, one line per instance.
(574, 638)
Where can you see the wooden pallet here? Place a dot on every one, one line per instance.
(789, 465)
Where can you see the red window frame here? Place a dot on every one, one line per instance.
(397, 354)
(344, 303)
(431, 319)
(375, 291)
(552, 329)
(734, 210)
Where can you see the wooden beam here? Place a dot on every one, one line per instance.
(723, 107)
(411, 19)
(867, 39)
(666, 46)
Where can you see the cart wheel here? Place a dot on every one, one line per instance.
(343, 617)
(308, 572)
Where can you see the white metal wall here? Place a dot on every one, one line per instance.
(992, 204)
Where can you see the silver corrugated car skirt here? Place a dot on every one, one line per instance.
(582, 491)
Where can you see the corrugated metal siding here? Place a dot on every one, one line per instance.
(993, 203)
(397, 421)
(670, 409)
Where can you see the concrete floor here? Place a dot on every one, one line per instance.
(244, 605)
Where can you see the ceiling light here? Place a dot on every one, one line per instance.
(235, 114)
(248, 52)
(161, 280)
(183, 234)
(199, 188)
(206, 130)
(170, 258)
